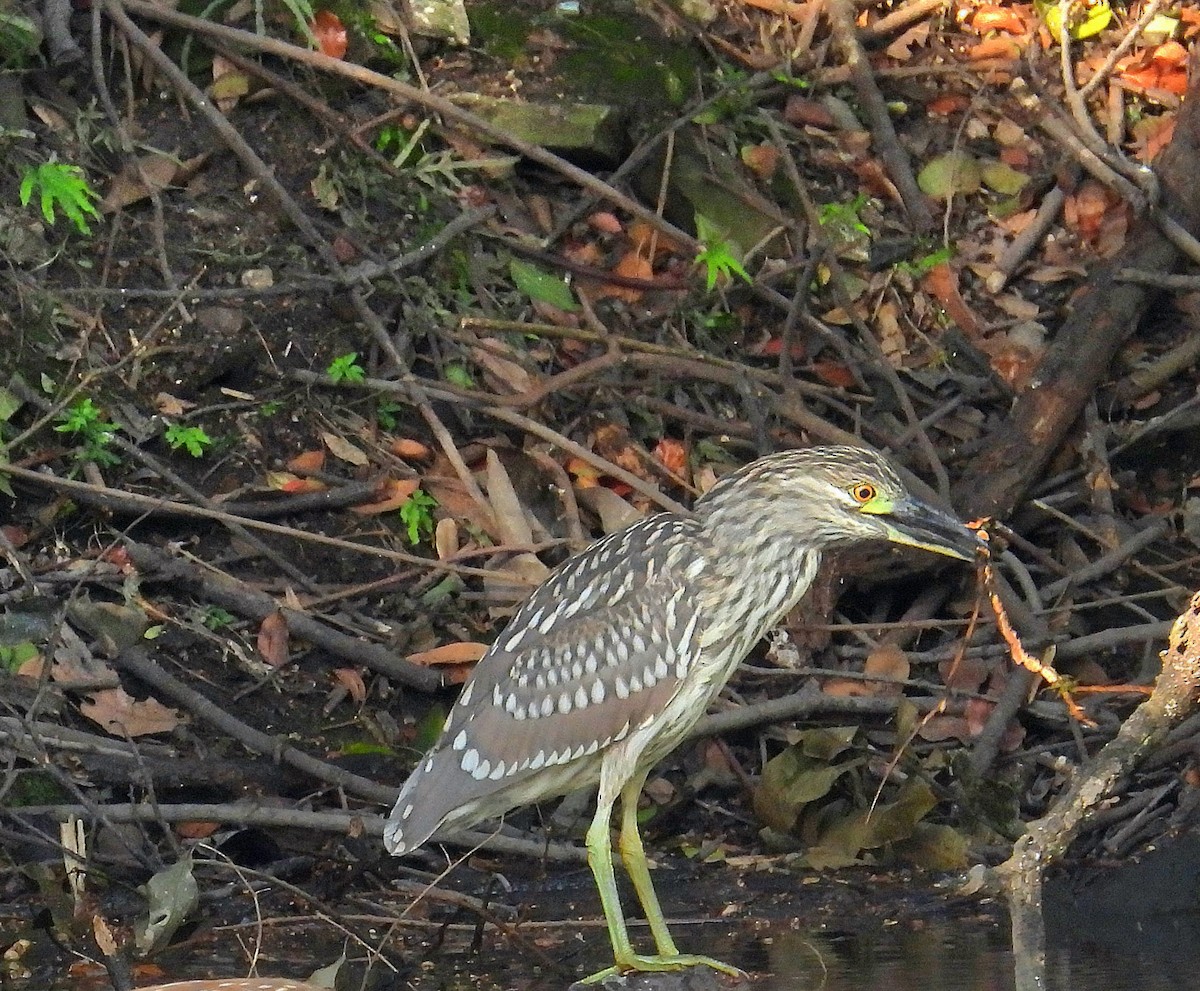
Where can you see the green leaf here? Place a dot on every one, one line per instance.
(64, 187)
(541, 286)
(954, 172)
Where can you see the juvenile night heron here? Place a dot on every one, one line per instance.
(609, 663)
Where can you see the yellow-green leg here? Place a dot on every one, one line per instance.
(633, 855)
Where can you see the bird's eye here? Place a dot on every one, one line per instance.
(863, 492)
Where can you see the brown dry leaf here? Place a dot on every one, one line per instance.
(445, 538)
(229, 84)
(283, 481)
(169, 405)
(393, 494)
(631, 265)
(145, 175)
(611, 441)
(462, 652)
(196, 830)
(343, 450)
(456, 660)
(503, 374)
(506, 504)
(120, 714)
(888, 661)
(410, 449)
(1151, 135)
(672, 454)
(307, 462)
(273, 639)
(351, 679)
(891, 335)
(454, 500)
(761, 159)
(605, 222)
(941, 282)
(901, 47)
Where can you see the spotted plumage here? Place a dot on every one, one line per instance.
(609, 663)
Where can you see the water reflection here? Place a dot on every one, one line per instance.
(957, 955)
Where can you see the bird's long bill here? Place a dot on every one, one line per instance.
(917, 524)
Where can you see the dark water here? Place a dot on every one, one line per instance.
(948, 955)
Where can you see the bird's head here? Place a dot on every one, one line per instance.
(832, 497)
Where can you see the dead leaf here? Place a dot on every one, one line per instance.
(273, 639)
(351, 679)
(506, 505)
(891, 335)
(462, 652)
(307, 462)
(343, 450)
(121, 715)
(672, 454)
(390, 496)
(148, 174)
(941, 282)
(410, 449)
(168, 405)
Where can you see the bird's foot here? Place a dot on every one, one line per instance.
(656, 963)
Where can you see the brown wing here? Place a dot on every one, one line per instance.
(599, 648)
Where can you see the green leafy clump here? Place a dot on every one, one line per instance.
(718, 257)
(345, 368)
(61, 188)
(417, 515)
(84, 420)
(192, 439)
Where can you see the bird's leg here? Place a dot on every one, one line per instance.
(633, 855)
(599, 853)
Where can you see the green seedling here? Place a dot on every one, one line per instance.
(93, 433)
(417, 515)
(346, 368)
(61, 188)
(192, 439)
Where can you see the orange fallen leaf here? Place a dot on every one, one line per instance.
(941, 282)
(943, 106)
(409, 449)
(306, 462)
(393, 494)
(461, 652)
(673, 455)
(330, 33)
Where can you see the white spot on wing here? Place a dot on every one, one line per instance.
(483, 770)
(460, 741)
(470, 761)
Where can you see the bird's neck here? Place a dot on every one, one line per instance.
(754, 590)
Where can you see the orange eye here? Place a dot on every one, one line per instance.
(863, 492)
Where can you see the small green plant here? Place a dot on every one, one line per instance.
(717, 254)
(94, 433)
(921, 265)
(458, 374)
(843, 218)
(417, 515)
(13, 656)
(346, 368)
(64, 187)
(216, 618)
(270, 407)
(386, 412)
(192, 439)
